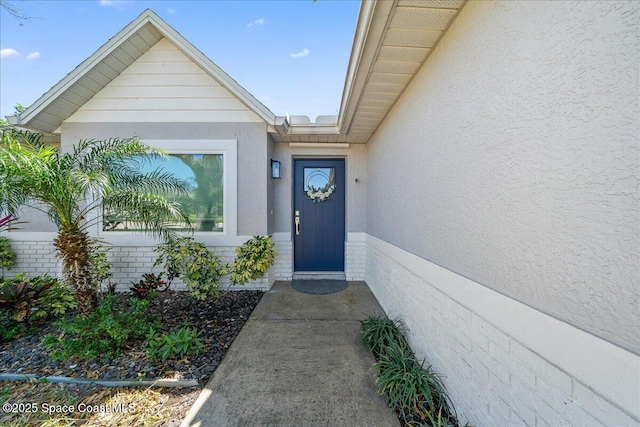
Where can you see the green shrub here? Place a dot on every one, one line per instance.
(377, 332)
(177, 343)
(25, 300)
(199, 268)
(148, 285)
(98, 261)
(7, 256)
(253, 260)
(19, 296)
(56, 301)
(102, 334)
(11, 331)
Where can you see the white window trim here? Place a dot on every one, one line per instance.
(229, 150)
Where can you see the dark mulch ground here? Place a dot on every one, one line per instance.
(219, 322)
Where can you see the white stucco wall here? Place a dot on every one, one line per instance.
(505, 229)
(514, 159)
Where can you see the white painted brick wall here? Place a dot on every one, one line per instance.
(283, 266)
(35, 258)
(492, 378)
(355, 254)
(129, 264)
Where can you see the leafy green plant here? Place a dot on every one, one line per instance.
(99, 262)
(197, 266)
(25, 300)
(378, 332)
(177, 343)
(253, 259)
(148, 285)
(19, 296)
(102, 334)
(56, 301)
(11, 331)
(7, 256)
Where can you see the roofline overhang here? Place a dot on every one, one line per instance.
(371, 25)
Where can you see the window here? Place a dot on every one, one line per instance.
(319, 178)
(209, 166)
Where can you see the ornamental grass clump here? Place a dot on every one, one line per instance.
(378, 332)
(414, 391)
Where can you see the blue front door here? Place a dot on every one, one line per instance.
(319, 214)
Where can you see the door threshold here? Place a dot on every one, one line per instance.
(319, 275)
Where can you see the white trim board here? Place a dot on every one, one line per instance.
(611, 371)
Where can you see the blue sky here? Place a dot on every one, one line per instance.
(291, 55)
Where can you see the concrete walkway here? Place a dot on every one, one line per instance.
(297, 362)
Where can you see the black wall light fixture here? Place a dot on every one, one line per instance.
(275, 169)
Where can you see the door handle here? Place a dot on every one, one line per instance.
(297, 222)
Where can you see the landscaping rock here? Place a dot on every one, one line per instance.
(218, 320)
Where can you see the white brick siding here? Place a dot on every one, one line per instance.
(129, 264)
(494, 379)
(283, 266)
(355, 253)
(35, 258)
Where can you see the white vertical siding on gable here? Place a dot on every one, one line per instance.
(164, 85)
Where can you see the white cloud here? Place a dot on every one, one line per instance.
(301, 54)
(114, 3)
(259, 21)
(33, 55)
(9, 53)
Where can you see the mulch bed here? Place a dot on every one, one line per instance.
(219, 322)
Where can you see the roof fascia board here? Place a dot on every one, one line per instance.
(313, 130)
(372, 24)
(212, 69)
(77, 73)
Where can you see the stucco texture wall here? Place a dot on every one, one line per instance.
(513, 159)
(252, 156)
(356, 167)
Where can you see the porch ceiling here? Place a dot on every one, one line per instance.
(412, 30)
(392, 41)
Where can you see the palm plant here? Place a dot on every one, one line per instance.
(74, 187)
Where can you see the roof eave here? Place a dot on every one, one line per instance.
(71, 78)
(372, 21)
